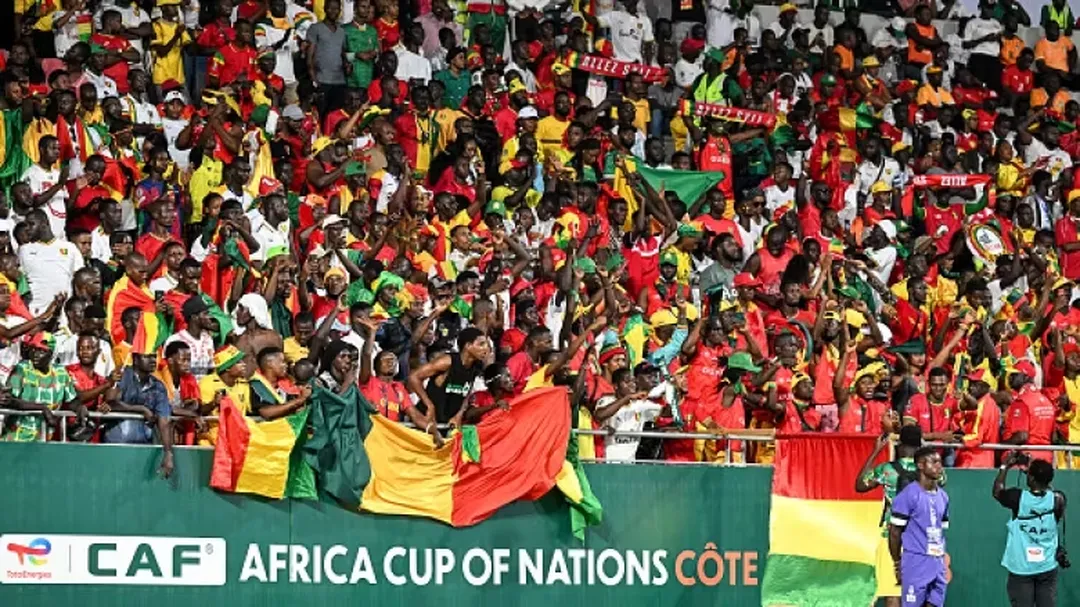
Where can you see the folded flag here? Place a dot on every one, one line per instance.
(258, 457)
(823, 536)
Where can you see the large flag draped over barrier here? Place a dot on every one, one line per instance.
(366, 461)
(823, 536)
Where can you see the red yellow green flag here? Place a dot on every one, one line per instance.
(824, 538)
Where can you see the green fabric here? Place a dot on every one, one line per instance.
(688, 186)
(757, 155)
(224, 321)
(801, 581)
(357, 293)
(470, 443)
(335, 449)
(281, 318)
(589, 511)
(301, 481)
(461, 307)
(16, 162)
(456, 87)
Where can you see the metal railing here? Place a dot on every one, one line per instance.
(745, 436)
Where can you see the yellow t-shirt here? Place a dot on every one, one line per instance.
(445, 118)
(502, 192)
(239, 393)
(293, 350)
(549, 134)
(169, 66)
(203, 181)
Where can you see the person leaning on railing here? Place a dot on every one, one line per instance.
(38, 385)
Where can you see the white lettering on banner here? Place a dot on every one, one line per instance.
(44, 558)
(388, 564)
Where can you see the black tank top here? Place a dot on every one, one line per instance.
(449, 397)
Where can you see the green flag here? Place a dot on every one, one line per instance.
(15, 159)
(687, 185)
(335, 449)
(589, 511)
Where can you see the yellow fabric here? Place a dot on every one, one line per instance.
(802, 527)
(502, 192)
(169, 66)
(239, 393)
(681, 134)
(539, 379)
(38, 128)
(549, 134)
(266, 464)
(293, 350)
(121, 353)
(509, 151)
(1072, 390)
(408, 475)
(567, 482)
(586, 443)
(3, 142)
(886, 575)
(621, 185)
(263, 166)
(203, 181)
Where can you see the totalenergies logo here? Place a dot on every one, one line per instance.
(34, 552)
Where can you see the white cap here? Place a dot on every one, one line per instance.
(889, 228)
(175, 96)
(898, 23)
(330, 220)
(527, 112)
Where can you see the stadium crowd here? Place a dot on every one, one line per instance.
(695, 220)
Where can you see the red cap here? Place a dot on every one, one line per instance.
(906, 86)
(268, 185)
(1026, 367)
(745, 279)
(170, 85)
(691, 45)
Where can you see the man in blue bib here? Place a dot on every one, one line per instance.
(1032, 542)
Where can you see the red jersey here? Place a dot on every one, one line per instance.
(216, 35)
(1067, 231)
(390, 398)
(942, 224)
(931, 417)
(1033, 413)
(979, 427)
(231, 62)
(389, 33)
(521, 368)
(715, 155)
(863, 416)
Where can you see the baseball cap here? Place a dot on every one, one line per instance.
(745, 279)
(330, 220)
(292, 112)
(175, 96)
(194, 305)
(527, 112)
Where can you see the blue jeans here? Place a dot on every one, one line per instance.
(659, 124)
(131, 432)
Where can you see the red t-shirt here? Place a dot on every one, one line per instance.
(942, 224)
(390, 398)
(1066, 232)
(1033, 413)
(863, 416)
(231, 62)
(82, 213)
(521, 368)
(1017, 80)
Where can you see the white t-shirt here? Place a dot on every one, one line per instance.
(720, 29)
(49, 267)
(268, 236)
(99, 245)
(869, 173)
(826, 34)
(412, 66)
(631, 418)
(163, 283)
(172, 129)
(40, 180)
(628, 34)
(980, 28)
(776, 198)
(66, 353)
(65, 36)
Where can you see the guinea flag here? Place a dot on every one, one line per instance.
(823, 536)
(126, 294)
(258, 457)
(510, 455)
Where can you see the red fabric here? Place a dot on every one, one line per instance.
(715, 155)
(523, 451)
(233, 63)
(389, 33)
(1017, 80)
(863, 416)
(230, 451)
(82, 214)
(375, 92)
(801, 458)
(979, 426)
(126, 295)
(1033, 413)
(119, 70)
(521, 367)
(389, 397)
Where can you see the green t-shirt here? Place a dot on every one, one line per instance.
(359, 40)
(456, 87)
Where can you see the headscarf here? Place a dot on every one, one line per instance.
(256, 306)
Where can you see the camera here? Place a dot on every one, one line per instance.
(1021, 459)
(1062, 557)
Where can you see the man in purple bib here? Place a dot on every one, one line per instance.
(920, 515)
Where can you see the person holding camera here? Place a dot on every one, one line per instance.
(1032, 552)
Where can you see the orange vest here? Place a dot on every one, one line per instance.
(916, 53)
